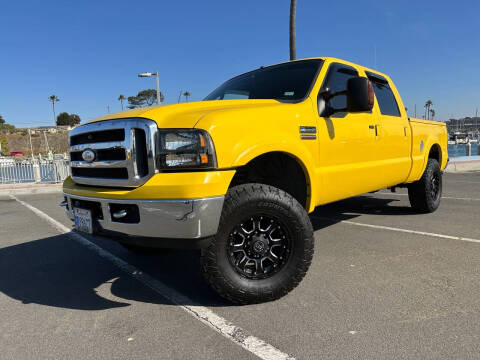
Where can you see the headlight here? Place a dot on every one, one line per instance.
(185, 148)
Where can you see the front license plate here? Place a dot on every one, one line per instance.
(83, 220)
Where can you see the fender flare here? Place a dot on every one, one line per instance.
(300, 154)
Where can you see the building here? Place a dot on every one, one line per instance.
(50, 129)
(468, 126)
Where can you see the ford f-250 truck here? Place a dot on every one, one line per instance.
(237, 174)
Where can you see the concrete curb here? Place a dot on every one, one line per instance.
(28, 189)
(462, 166)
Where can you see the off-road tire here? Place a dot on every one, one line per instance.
(425, 194)
(242, 202)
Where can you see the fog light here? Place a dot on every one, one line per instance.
(120, 214)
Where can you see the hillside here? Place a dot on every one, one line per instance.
(19, 141)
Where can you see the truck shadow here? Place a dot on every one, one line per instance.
(357, 206)
(352, 208)
(57, 271)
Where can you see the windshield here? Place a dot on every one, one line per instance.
(286, 82)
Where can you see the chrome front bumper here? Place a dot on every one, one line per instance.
(169, 219)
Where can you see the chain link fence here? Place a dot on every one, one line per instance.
(39, 171)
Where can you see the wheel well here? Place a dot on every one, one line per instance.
(277, 169)
(435, 153)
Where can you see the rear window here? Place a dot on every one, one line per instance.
(385, 98)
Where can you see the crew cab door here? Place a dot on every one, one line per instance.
(348, 146)
(394, 132)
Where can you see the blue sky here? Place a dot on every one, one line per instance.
(89, 52)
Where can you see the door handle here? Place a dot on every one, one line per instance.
(371, 127)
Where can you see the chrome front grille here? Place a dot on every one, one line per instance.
(124, 152)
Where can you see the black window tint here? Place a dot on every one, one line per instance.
(336, 81)
(385, 98)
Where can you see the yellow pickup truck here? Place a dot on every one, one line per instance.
(237, 174)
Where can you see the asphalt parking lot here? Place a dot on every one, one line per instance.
(385, 283)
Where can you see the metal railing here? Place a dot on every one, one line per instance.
(46, 171)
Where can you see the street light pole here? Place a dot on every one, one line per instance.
(149, 74)
(46, 142)
(31, 146)
(158, 87)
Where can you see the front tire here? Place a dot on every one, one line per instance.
(425, 194)
(263, 248)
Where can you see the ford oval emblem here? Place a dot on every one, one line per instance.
(88, 155)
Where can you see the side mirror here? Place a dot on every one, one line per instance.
(360, 95)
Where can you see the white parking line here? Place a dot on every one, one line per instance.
(424, 233)
(443, 197)
(234, 333)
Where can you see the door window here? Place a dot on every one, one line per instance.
(385, 97)
(336, 81)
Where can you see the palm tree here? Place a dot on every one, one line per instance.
(428, 105)
(54, 99)
(121, 98)
(293, 43)
(432, 112)
(186, 94)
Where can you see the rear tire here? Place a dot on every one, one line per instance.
(270, 229)
(425, 194)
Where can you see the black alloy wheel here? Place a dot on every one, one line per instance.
(259, 247)
(434, 185)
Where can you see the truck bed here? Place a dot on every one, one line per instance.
(427, 122)
(425, 133)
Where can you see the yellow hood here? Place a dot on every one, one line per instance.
(186, 115)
